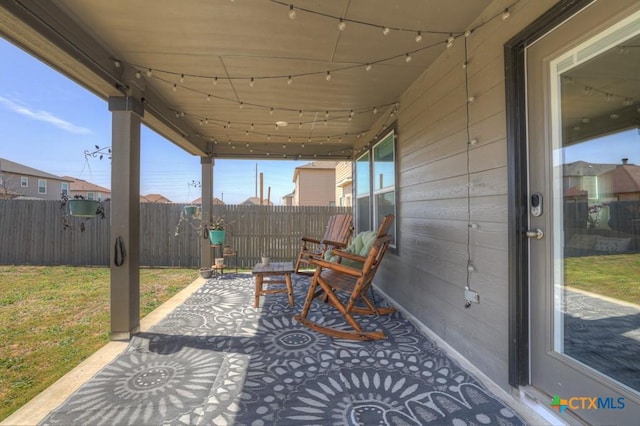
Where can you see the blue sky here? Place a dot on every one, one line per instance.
(48, 121)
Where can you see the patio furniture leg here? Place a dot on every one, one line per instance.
(287, 278)
(259, 279)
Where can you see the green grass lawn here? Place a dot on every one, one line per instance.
(53, 317)
(616, 276)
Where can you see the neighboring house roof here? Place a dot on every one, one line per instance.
(214, 200)
(625, 178)
(80, 185)
(582, 168)
(256, 201)
(154, 198)
(20, 169)
(575, 192)
(315, 165)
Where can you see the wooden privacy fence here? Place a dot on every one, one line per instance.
(32, 233)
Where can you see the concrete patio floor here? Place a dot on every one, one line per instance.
(423, 376)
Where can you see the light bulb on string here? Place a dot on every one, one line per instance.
(407, 58)
(241, 105)
(208, 98)
(292, 12)
(138, 75)
(506, 14)
(251, 82)
(328, 76)
(215, 81)
(271, 111)
(367, 67)
(467, 33)
(289, 80)
(385, 30)
(375, 110)
(342, 25)
(628, 102)
(175, 87)
(181, 78)
(450, 41)
(419, 37)
(149, 72)
(117, 64)
(251, 126)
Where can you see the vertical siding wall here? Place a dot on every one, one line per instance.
(32, 232)
(429, 276)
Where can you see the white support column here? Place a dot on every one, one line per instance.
(125, 217)
(206, 257)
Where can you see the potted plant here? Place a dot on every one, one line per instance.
(216, 231)
(205, 272)
(80, 207)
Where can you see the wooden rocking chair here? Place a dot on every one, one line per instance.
(330, 278)
(336, 235)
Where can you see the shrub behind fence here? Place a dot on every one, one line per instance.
(32, 233)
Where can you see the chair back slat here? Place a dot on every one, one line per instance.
(339, 228)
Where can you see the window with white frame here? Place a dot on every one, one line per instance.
(376, 194)
(42, 186)
(24, 181)
(91, 195)
(64, 188)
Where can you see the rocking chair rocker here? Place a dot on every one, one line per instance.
(353, 276)
(336, 235)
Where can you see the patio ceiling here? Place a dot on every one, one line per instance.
(193, 63)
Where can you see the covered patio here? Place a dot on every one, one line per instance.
(212, 358)
(445, 110)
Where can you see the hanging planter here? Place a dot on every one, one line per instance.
(216, 236)
(190, 210)
(83, 208)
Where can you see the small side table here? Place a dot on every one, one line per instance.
(224, 252)
(273, 269)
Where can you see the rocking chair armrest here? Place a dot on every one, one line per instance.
(310, 240)
(334, 243)
(338, 267)
(350, 256)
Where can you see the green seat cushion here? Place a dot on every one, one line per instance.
(360, 245)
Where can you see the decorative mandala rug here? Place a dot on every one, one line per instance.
(217, 360)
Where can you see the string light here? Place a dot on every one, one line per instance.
(215, 81)
(328, 76)
(385, 30)
(138, 75)
(149, 72)
(181, 78)
(251, 82)
(367, 67)
(506, 14)
(289, 80)
(292, 12)
(450, 41)
(342, 25)
(419, 37)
